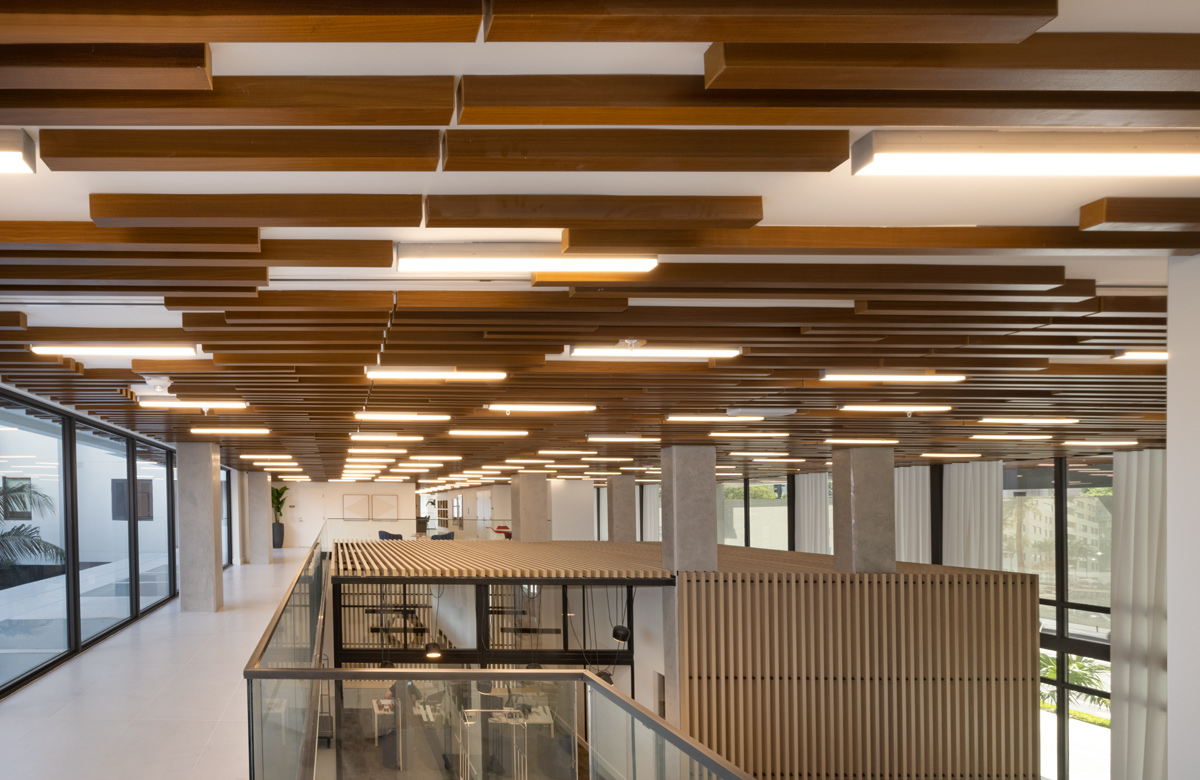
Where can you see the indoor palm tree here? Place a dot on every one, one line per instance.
(23, 541)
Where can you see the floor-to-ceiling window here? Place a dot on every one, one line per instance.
(1058, 525)
(104, 512)
(768, 513)
(226, 518)
(34, 614)
(84, 534)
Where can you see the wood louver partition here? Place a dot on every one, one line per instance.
(823, 675)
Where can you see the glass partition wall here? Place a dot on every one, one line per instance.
(85, 526)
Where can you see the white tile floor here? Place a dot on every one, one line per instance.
(164, 698)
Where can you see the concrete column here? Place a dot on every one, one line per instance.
(1183, 532)
(689, 508)
(243, 518)
(864, 510)
(622, 509)
(258, 486)
(530, 508)
(199, 480)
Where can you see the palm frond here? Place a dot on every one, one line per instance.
(23, 542)
(23, 498)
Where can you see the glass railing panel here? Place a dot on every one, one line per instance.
(293, 639)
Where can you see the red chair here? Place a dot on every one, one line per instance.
(501, 529)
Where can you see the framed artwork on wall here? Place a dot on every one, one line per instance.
(385, 507)
(356, 506)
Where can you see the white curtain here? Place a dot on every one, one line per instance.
(972, 514)
(1139, 616)
(912, 514)
(812, 514)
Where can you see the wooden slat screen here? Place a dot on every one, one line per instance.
(828, 675)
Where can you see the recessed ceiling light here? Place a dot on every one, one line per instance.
(265, 457)
(906, 408)
(744, 435)
(1135, 355)
(615, 438)
(1011, 437)
(950, 455)
(1008, 153)
(151, 403)
(899, 378)
(862, 441)
(645, 353)
(383, 437)
(400, 417)
(712, 418)
(232, 431)
(436, 376)
(375, 450)
(486, 432)
(17, 152)
(115, 350)
(1029, 420)
(566, 452)
(1110, 443)
(541, 407)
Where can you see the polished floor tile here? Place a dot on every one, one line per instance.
(164, 697)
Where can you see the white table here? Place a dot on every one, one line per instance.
(382, 707)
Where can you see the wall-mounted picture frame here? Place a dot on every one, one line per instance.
(385, 507)
(356, 506)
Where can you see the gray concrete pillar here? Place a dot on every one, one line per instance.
(689, 508)
(864, 510)
(258, 488)
(530, 508)
(199, 479)
(622, 509)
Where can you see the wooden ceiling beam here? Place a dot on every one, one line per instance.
(1107, 62)
(309, 300)
(168, 66)
(937, 308)
(1148, 214)
(240, 150)
(255, 210)
(470, 300)
(560, 211)
(252, 21)
(846, 240)
(84, 236)
(120, 275)
(12, 320)
(121, 289)
(819, 276)
(810, 21)
(300, 319)
(280, 253)
(629, 149)
(261, 101)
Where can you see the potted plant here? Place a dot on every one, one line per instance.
(23, 541)
(277, 499)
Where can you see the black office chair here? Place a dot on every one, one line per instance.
(384, 535)
(449, 535)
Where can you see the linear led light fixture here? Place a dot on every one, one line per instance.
(541, 407)
(1139, 355)
(400, 417)
(750, 435)
(233, 431)
(712, 418)
(1011, 437)
(436, 457)
(505, 468)
(725, 467)
(295, 479)
(893, 408)
(17, 152)
(510, 259)
(561, 466)
(1131, 443)
(526, 460)
(114, 350)
(435, 376)
(998, 153)
(899, 378)
(496, 432)
(625, 468)
(862, 441)
(150, 403)
(615, 438)
(273, 463)
(265, 457)
(370, 460)
(648, 481)
(780, 460)
(383, 437)
(602, 473)
(410, 470)
(653, 353)
(282, 468)
(1029, 420)
(607, 460)
(567, 452)
(375, 451)
(749, 454)
(950, 455)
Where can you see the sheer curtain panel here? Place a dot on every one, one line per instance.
(912, 514)
(1139, 616)
(812, 514)
(972, 505)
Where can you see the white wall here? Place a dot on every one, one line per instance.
(310, 505)
(648, 656)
